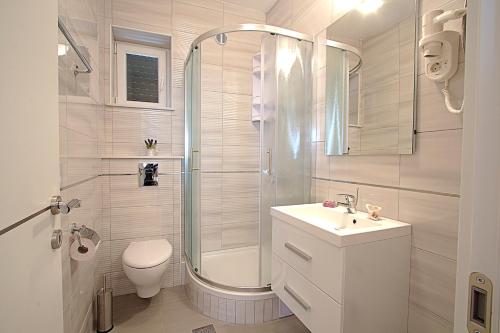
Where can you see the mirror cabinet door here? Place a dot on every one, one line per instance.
(370, 81)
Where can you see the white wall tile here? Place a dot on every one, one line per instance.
(211, 238)
(435, 166)
(431, 111)
(432, 283)
(384, 197)
(379, 170)
(231, 311)
(237, 81)
(259, 312)
(249, 312)
(222, 309)
(421, 320)
(268, 309)
(240, 158)
(240, 132)
(250, 14)
(158, 12)
(136, 126)
(240, 312)
(128, 222)
(195, 19)
(434, 221)
(214, 307)
(314, 18)
(281, 13)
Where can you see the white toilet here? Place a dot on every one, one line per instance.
(145, 264)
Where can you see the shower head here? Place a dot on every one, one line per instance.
(221, 39)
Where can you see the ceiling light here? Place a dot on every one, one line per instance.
(62, 49)
(344, 6)
(369, 6)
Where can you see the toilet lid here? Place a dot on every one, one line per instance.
(147, 254)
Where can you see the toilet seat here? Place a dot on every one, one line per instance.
(147, 254)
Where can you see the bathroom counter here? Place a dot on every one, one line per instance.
(338, 228)
(341, 272)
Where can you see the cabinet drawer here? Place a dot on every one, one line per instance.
(319, 312)
(320, 262)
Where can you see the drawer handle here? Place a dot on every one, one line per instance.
(298, 251)
(303, 303)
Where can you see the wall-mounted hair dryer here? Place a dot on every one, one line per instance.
(441, 49)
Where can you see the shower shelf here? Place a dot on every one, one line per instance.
(256, 87)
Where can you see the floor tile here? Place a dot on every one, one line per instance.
(171, 312)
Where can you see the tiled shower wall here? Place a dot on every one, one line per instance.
(80, 123)
(421, 189)
(131, 213)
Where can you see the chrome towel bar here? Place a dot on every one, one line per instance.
(21, 222)
(56, 206)
(75, 47)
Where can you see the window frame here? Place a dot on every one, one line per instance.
(124, 48)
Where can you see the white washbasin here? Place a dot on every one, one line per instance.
(338, 227)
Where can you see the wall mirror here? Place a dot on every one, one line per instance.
(370, 102)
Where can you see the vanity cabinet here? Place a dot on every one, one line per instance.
(335, 286)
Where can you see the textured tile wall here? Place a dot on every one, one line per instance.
(80, 123)
(421, 189)
(230, 141)
(132, 213)
(232, 309)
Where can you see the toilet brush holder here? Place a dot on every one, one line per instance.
(104, 307)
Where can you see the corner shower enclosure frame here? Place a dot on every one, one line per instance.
(192, 172)
(292, 157)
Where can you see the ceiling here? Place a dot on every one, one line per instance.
(260, 5)
(357, 26)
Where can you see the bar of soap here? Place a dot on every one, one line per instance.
(329, 204)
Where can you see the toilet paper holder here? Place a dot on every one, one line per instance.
(83, 231)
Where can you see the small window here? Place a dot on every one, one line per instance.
(141, 76)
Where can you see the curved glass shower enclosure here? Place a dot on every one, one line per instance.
(247, 147)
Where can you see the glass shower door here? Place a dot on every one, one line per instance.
(267, 139)
(293, 134)
(285, 133)
(192, 160)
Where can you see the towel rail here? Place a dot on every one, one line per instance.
(72, 42)
(23, 221)
(56, 206)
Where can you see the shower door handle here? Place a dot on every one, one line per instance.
(269, 171)
(193, 168)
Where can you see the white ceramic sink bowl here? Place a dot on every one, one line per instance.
(336, 226)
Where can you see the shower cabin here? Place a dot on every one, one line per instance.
(247, 148)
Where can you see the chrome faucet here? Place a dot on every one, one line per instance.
(350, 203)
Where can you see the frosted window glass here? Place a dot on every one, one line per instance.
(142, 78)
